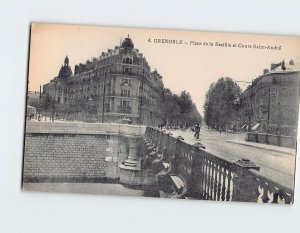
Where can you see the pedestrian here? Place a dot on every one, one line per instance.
(197, 131)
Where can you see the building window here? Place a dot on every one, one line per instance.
(125, 92)
(107, 106)
(127, 60)
(124, 103)
(126, 81)
(127, 70)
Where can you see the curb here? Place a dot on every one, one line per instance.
(261, 147)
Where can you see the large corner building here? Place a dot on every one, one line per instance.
(273, 100)
(117, 86)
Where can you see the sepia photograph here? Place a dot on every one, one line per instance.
(161, 113)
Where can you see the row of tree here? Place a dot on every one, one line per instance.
(179, 110)
(176, 110)
(48, 106)
(225, 106)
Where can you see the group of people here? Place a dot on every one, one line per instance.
(196, 129)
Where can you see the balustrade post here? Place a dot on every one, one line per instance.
(130, 170)
(245, 186)
(195, 181)
(176, 160)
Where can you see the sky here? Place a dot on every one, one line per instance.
(191, 66)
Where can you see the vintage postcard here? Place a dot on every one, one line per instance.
(161, 113)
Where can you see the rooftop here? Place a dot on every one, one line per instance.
(286, 67)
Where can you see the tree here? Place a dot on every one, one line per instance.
(63, 110)
(179, 110)
(185, 102)
(45, 103)
(77, 106)
(222, 106)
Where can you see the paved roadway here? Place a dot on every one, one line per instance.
(276, 165)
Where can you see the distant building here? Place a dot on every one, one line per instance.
(33, 97)
(30, 111)
(119, 85)
(272, 101)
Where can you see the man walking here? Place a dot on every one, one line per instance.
(197, 131)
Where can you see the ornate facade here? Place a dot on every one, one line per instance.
(272, 100)
(118, 86)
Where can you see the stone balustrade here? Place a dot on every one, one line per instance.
(206, 176)
(142, 156)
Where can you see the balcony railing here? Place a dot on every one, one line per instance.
(206, 176)
(129, 73)
(123, 109)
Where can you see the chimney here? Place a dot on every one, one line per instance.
(266, 71)
(283, 65)
(76, 71)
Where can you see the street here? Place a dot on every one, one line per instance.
(278, 165)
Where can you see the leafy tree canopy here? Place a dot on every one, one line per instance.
(222, 103)
(179, 110)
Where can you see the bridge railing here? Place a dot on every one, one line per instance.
(210, 177)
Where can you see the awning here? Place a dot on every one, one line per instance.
(126, 119)
(30, 107)
(255, 126)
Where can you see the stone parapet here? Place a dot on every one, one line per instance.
(84, 128)
(75, 152)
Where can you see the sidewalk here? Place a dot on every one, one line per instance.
(283, 150)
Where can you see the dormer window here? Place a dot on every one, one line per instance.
(127, 60)
(125, 92)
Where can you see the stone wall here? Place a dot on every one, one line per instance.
(64, 157)
(70, 152)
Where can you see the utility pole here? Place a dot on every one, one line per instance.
(251, 103)
(53, 105)
(269, 105)
(141, 98)
(40, 98)
(103, 96)
(279, 116)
